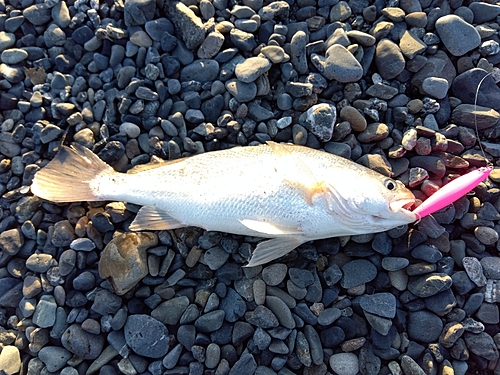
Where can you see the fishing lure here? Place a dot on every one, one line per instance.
(452, 191)
(459, 186)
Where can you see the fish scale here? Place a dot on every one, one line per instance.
(291, 194)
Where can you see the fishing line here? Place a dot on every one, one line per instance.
(489, 164)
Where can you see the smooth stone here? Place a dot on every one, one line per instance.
(424, 326)
(138, 12)
(37, 14)
(10, 360)
(484, 12)
(435, 87)
(338, 64)
(45, 312)
(429, 285)
(54, 357)
(211, 45)
(83, 344)
(146, 336)
(243, 92)
(357, 272)
(298, 54)
(7, 40)
(381, 304)
(233, 305)
(344, 363)
(203, 71)
(411, 45)
(13, 56)
(274, 274)
(124, 260)
(465, 87)
(482, 345)
(389, 59)
(458, 36)
(252, 68)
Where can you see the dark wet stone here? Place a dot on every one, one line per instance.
(465, 87)
(357, 272)
(233, 306)
(424, 326)
(83, 344)
(138, 12)
(382, 304)
(481, 344)
(429, 285)
(245, 365)
(210, 322)
(428, 253)
(37, 14)
(204, 70)
(146, 336)
(262, 317)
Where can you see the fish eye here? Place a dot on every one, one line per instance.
(390, 184)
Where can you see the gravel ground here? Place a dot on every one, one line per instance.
(390, 85)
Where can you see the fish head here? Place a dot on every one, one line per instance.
(365, 201)
(386, 203)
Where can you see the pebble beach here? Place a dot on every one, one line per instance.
(407, 88)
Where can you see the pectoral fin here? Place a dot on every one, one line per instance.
(273, 249)
(153, 218)
(270, 229)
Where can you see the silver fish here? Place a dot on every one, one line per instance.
(291, 194)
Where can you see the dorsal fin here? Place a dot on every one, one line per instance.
(155, 162)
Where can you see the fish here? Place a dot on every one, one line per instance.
(286, 193)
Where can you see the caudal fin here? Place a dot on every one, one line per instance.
(71, 176)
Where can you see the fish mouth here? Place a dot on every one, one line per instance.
(402, 205)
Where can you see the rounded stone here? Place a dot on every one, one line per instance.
(389, 59)
(344, 363)
(458, 36)
(435, 87)
(83, 344)
(146, 336)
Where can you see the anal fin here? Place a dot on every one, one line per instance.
(273, 249)
(153, 218)
(270, 229)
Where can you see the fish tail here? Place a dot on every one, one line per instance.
(72, 176)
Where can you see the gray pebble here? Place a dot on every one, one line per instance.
(233, 305)
(357, 272)
(344, 363)
(474, 270)
(11, 241)
(210, 322)
(45, 312)
(39, 263)
(10, 360)
(169, 312)
(458, 36)
(54, 357)
(281, 311)
(83, 344)
(338, 64)
(274, 274)
(146, 336)
(424, 326)
(262, 317)
(252, 68)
